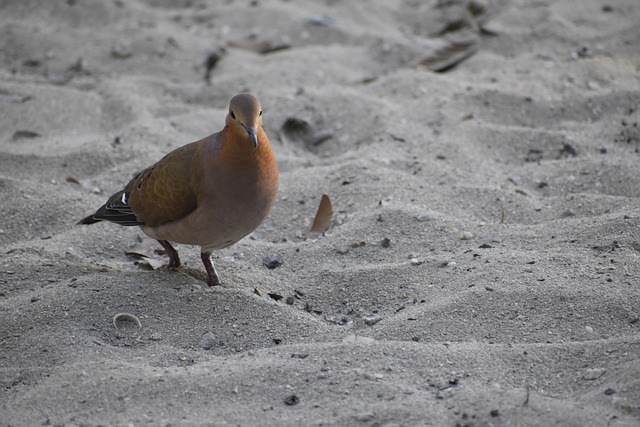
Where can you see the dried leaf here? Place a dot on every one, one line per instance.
(299, 131)
(86, 184)
(25, 134)
(259, 46)
(143, 252)
(368, 80)
(274, 296)
(73, 180)
(211, 61)
(323, 216)
(448, 57)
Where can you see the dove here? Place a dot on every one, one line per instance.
(209, 193)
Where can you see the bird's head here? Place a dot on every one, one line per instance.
(245, 112)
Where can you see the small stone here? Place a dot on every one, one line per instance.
(465, 235)
(208, 341)
(371, 319)
(609, 392)
(121, 50)
(321, 21)
(589, 329)
(495, 413)
(364, 416)
(424, 217)
(385, 243)
(416, 261)
(272, 261)
(584, 52)
(593, 374)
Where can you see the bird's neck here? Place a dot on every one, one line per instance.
(237, 150)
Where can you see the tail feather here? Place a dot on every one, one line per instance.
(115, 210)
(88, 220)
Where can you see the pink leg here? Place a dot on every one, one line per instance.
(174, 259)
(214, 280)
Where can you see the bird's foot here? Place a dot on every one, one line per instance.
(174, 258)
(212, 275)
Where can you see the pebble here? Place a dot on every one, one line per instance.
(588, 329)
(272, 261)
(416, 261)
(121, 50)
(593, 374)
(364, 416)
(478, 7)
(322, 21)
(424, 217)
(465, 235)
(385, 243)
(371, 319)
(155, 337)
(208, 341)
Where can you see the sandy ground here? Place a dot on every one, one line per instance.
(482, 267)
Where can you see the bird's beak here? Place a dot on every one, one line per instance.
(253, 136)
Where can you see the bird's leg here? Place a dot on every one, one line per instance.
(174, 259)
(213, 280)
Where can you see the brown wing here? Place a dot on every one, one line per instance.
(164, 191)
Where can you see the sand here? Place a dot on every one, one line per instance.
(482, 264)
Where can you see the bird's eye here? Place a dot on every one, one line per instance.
(233, 116)
(260, 113)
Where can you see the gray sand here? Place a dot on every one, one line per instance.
(507, 185)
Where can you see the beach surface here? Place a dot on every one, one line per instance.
(481, 266)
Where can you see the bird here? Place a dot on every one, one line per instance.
(209, 193)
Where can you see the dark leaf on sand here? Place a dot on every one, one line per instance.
(22, 134)
(300, 132)
(12, 97)
(212, 60)
(143, 252)
(73, 180)
(448, 57)
(258, 46)
(323, 216)
(275, 297)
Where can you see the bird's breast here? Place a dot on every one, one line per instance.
(233, 200)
